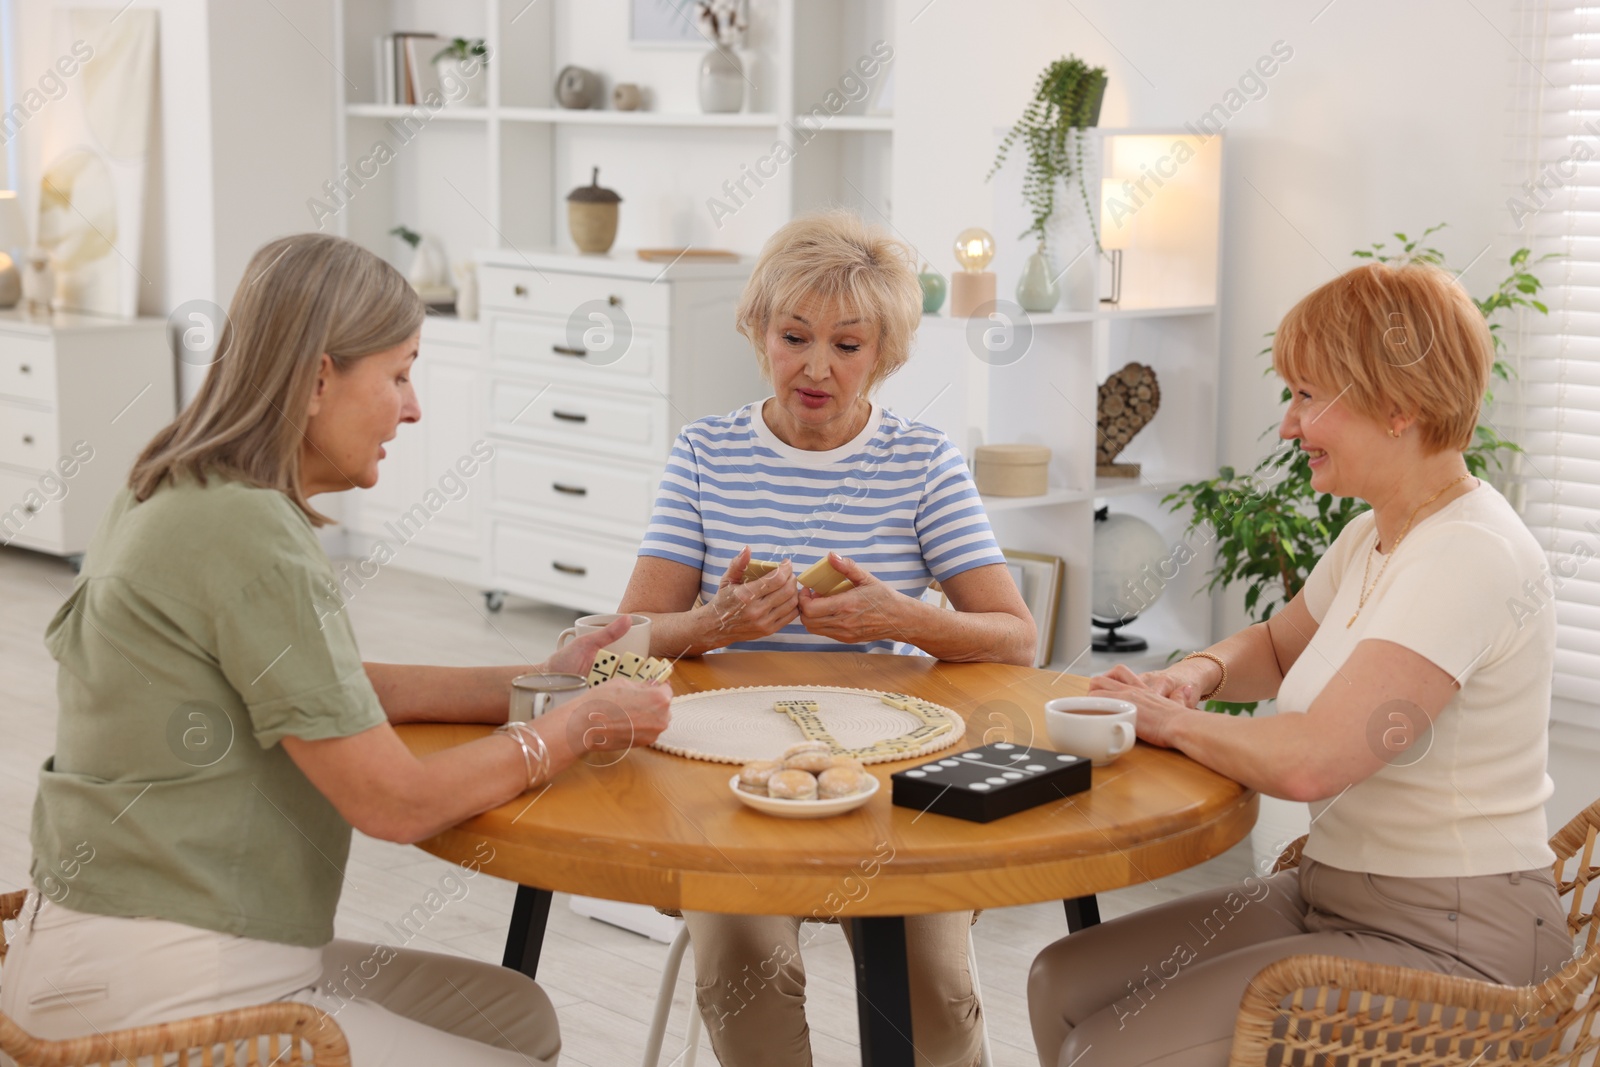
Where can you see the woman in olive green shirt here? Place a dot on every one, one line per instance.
(219, 735)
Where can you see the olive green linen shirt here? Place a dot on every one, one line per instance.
(205, 627)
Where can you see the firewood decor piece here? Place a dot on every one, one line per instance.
(1129, 399)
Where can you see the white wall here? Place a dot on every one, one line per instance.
(1387, 117)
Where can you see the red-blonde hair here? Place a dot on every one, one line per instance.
(1393, 337)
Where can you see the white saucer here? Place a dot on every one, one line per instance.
(805, 809)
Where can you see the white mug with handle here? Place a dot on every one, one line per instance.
(636, 640)
(1098, 728)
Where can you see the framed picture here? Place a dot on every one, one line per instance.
(665, 23)
(1038, 578)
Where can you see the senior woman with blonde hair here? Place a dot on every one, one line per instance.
(219, 735)
(1413, 708)
(819, 470)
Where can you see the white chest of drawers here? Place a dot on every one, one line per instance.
(594, 365)
(80, 397)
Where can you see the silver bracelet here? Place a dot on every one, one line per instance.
(521, 733)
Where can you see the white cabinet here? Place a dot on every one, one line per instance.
(424, 513)
(80, 397)
(594, 365)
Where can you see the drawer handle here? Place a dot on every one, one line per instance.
(27, 438)
(569, 416)
(519, 290)
(25, 369)
(565, 350)
(567, 568)
(570, 490)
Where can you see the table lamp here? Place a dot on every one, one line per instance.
(13, 237)
(973, 286)
(1113, 233)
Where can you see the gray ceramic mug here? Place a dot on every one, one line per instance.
(532, 695)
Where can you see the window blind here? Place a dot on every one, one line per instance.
(1552, 408)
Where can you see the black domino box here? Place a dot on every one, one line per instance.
(989, 783)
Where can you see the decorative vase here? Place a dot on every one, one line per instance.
(592, 214)
(934, 289)
(466, 291)
(10, 282)
(627, 97)
(1036, 290)
(462, 83)
(721, 82)
(577, 88)
(38, 283)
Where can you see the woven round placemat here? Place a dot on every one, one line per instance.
(736, 725)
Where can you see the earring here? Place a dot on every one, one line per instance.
(1392, 433)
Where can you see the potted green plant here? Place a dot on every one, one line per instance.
(459, 65)
(1270, 526)
(1066, 101)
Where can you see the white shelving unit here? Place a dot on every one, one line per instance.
(1168, 319)
(496, 176)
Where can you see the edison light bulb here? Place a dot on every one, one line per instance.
(974, 249)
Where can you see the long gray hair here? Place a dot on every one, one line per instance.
(302, 297)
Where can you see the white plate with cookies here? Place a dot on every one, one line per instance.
(806, 782)
(804, 809)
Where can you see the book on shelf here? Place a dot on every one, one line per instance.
(404, 67)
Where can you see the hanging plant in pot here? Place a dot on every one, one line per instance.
(722, 78)
(1066, 101)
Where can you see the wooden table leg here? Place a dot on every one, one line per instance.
(1082, 912)
(883, 991)
(526, 936)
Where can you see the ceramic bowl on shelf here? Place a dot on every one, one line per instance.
(805, 809)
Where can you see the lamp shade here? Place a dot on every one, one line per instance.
(13, 228)
(1116, 215)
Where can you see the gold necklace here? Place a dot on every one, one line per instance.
(1365, 591)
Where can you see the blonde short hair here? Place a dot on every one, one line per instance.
(829, 256)
(1392, 337)
(301, 297)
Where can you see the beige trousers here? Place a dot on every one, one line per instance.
(1162, 986)
(69, 974)
(751, 984)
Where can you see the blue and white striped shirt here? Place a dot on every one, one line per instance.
(898, 500)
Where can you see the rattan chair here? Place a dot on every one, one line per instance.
(272, 1034)
(1324, 1011)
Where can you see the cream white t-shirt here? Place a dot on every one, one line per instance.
(1469, 799)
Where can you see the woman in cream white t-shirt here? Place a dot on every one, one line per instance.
(1412, 675)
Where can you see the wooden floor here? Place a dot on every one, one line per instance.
(602, 980)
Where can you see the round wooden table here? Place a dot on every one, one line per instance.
(653, 828)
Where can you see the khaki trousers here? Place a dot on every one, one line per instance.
(1162, 986)
(70, 974)
(750, 984)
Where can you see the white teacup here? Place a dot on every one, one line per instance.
(1098, 728)
(532, 695)
(636, 640)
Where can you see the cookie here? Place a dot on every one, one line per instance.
(792, 785)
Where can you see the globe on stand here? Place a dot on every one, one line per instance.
(1128, 553)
